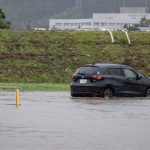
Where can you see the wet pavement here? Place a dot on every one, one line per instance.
(55, 121)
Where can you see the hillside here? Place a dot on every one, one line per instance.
(37, 12)
(54, 56)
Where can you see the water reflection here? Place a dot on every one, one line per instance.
(108, 101)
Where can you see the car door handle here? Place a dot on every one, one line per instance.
(130, 79)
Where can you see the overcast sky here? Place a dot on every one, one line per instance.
(38, 12)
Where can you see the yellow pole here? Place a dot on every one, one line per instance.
(17, 97)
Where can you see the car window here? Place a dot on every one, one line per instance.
(115, 71)
(88, 70)
(129, 73)
(104, 71)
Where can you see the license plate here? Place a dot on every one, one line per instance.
(83, 81)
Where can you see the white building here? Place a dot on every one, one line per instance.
(102, 20)
(133, 10)
(71, 24)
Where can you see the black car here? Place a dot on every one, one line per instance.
(108, 80)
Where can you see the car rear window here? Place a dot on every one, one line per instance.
(88, 70)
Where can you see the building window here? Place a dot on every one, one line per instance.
(96, 23)
(79, 23)
(66, 24)
(118, 24)
(58, 24)
(88, 24)
(72, 24)
(104, 24)
(110, 24)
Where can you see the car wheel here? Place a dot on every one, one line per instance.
(148, 92)
(108, 93)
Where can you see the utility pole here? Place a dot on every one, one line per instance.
(146, 6)
(28, 24)
(79, 4)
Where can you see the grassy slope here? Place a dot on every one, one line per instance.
(35, 86)
(53, 56)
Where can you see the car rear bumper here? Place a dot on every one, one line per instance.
(85, 90)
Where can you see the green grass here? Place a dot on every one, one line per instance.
(37, 86)
(52, 56)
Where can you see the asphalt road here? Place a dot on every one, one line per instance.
(55, 121)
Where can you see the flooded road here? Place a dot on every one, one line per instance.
(55, 121)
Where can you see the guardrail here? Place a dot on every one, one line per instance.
(17, 93)
(126, 33)
(111, 35)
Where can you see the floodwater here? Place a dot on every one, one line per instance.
(55, 121)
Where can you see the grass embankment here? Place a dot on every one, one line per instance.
(37, 86)
(52, 57)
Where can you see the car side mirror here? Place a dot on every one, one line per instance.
(139, 77)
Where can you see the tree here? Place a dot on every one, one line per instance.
(4, 24)
(133, 27)
(144, 22)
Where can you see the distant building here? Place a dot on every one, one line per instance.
(70, 24)
(129, 16)
(133, 10)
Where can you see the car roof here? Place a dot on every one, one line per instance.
(107, 65)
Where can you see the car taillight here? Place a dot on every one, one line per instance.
(97, 77)
(74, 77)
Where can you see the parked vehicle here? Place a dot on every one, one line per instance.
(108, 80)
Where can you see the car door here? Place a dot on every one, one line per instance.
(117, 79)
(132, 85)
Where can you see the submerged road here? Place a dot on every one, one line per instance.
(55, 121)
